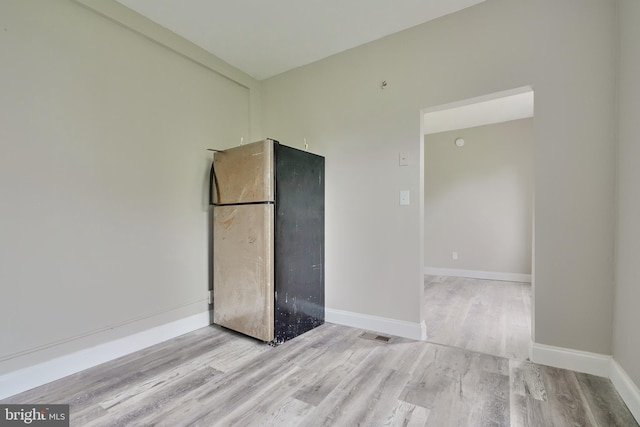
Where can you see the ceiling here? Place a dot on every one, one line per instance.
(512, 105)
(265, 38)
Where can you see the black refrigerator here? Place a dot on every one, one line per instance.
(268, 240)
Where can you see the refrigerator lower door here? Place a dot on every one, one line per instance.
(243, 269)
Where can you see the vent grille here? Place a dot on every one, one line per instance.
(375, 337)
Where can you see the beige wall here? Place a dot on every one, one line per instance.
(103, 177)
(374, 253)
(479, 198)
(626, 349)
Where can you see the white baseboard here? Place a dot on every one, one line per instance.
(576, 360)
(27, 378)
(383, 325)
(476, 274)
(626, 388)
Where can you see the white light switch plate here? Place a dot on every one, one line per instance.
(403, 158)
(404, 197)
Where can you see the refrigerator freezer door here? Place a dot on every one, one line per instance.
(244, 174)
(243, 269)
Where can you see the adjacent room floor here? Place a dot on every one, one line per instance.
(487, 316)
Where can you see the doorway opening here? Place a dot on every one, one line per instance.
(477, 217)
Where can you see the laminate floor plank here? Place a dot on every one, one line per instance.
(487, 316)
(147, 404)
(291, 413)
(404, 355)
(407, 415)
(458, 386)
(516, 342)
(241, 384)
(526, 380)
(148, 393)
(201, 364)
(605, 403)
(88, 383)
(323, 383)
(380, 398)
(224, 394)
(84, 389)
(565, 404)
(351, 402)
(260, 405)
(235, 353)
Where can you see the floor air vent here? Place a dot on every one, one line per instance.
(375, 337)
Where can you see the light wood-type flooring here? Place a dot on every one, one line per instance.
(330, 376)
(487, 316)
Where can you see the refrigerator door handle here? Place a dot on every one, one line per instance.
(213, 183)
(212, 177)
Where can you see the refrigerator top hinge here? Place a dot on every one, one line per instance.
(210, 295)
